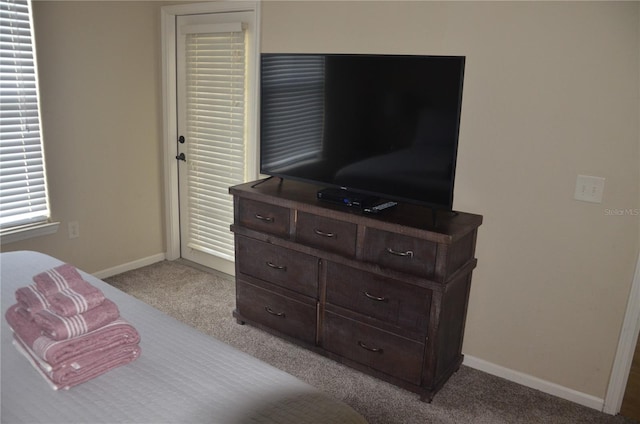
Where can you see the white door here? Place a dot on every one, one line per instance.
(213, 116)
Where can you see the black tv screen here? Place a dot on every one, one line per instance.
(382, 125)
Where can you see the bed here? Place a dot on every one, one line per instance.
(182, 375)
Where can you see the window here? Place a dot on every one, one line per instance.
(24, 204)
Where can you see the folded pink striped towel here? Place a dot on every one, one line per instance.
(81, 368)
(31, 300)
(58, 278)
(55, 352)
(66, 302)
(58, 327)
(73, 301)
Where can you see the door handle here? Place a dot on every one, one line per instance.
(181, 156)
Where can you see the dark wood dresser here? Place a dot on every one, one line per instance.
(386, 294)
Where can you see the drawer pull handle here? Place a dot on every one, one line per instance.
(408, 253)
(323, 234)
(370, 349)
(272, 312)
(376, 298)
(274, 266)
(264, 218)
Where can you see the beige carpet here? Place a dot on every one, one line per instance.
(205, 300)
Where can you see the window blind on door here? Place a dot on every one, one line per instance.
(215, 94)
(23, 190)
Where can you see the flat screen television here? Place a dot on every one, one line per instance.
(380, 125)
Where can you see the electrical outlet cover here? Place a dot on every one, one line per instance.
(589, 189)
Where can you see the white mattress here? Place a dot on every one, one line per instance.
(182, 375)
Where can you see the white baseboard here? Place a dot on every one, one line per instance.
(105, 273)
(535, 383)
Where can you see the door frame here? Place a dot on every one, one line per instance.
(170, 110)
(626, 348)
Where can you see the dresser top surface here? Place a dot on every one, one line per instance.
(404, 217)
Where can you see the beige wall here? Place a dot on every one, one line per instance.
(101, 117)
(551, 91)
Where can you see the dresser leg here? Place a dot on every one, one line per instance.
(427, 397)
(237, 317)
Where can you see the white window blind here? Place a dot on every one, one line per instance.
(23, 191)
(215, 73)
(293, 108)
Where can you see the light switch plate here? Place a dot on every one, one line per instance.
(589, 189)
(74, 229)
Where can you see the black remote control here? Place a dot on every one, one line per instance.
(380, 207)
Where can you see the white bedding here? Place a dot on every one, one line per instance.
(182, 375)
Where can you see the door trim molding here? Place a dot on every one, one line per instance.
(626, 348)
(169, 132)
(169, 105)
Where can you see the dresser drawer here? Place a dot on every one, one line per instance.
(286, 268)
(288, 316)
(400, 252)
(391, 301)
(326, 233)
(265, 217)
(383, 351)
